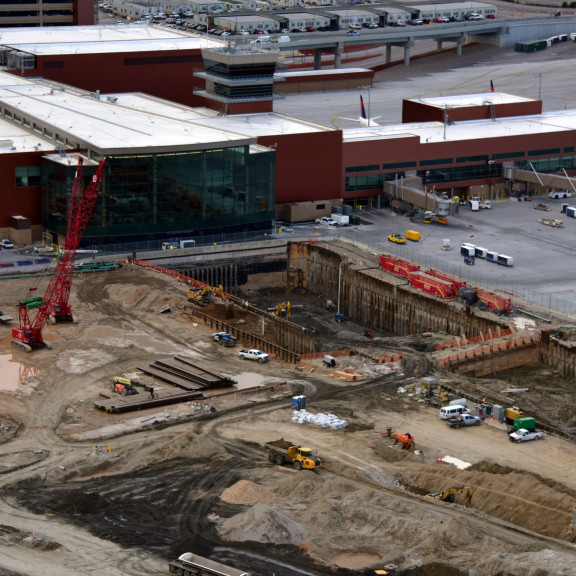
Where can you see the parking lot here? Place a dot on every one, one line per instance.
(543, 256)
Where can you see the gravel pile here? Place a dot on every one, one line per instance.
(246, 492)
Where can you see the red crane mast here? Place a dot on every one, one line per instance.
(56, 298)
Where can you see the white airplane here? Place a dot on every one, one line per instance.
(363, 118)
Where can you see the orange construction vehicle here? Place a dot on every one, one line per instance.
(406, 439)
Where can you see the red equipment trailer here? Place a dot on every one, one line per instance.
(55, 304)
(494, 302)
(397, 266)
(456, 282)
(431, 285)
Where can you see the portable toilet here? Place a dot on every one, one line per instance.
(298, 402)
(491, 256)
(498, 413)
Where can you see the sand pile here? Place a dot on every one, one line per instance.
(264, 524)
(246, 492)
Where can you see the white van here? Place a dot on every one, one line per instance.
(451, 411)
(281, 39)
(261, 40)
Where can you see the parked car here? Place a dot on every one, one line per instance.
(416, 22)
(397, 238)
(326, 221)
(6, 243)
(355, 27)
(560, 194)
(442, 19)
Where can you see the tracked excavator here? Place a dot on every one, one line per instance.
(281, 311)
(204, 295)
(449, 494)
(200, 295)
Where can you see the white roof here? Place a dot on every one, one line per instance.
(323, 72)
(352, 12)
(265, 124)
(108, 126)
(115, 46)
(129, 122)
(434, 132)
(14, 139)
(467, 100)
(73, 34)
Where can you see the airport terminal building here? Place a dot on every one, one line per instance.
(176, 169)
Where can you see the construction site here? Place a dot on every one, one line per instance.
(329, 403)
(137, 433)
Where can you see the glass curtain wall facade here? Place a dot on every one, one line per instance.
(156, 195)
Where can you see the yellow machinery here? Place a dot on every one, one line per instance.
(200, 295)
(220, 292)
(441, 394)
(448, 495)
(282, 310)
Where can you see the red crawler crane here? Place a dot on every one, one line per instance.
(55, 303)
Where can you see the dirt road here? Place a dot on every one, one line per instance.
(84, 491)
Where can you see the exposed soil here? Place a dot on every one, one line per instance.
(122, 495)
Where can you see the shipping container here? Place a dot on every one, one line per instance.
(457, 283)
(468, 249)
(494, 302)
(397, 266)
(431, 285)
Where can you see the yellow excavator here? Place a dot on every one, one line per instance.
(448, 495)
(200, 295)
(281, 311)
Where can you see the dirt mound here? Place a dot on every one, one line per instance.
(201, 447)
(246, 492)
(264, 524)
(515, 496)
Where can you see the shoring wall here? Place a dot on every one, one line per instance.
(377, 299)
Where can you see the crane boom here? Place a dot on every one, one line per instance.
(56, 298)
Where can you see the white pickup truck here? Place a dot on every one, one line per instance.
(524, 435)
(254, 355)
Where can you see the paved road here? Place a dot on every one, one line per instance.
(550, 74)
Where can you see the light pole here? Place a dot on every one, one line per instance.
(539, 74)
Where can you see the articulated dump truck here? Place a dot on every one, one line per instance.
(284, 452)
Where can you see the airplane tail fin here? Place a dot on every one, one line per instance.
(363, 111)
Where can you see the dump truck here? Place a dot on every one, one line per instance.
(284, 452)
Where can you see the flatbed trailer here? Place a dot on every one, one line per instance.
(189, 564)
